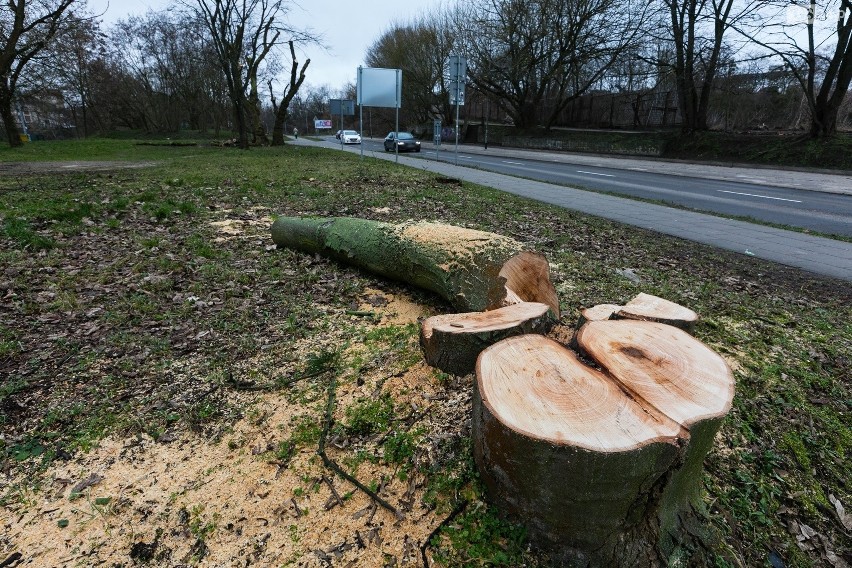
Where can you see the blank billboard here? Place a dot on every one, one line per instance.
(380, 87)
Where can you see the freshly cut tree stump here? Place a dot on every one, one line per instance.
(602, 464)
(473, 270)
(646, 307)
(452, 342)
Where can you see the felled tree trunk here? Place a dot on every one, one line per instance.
(452, 342)
(472, 270)
(602, 464)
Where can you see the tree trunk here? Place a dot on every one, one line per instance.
(602, 465)
(452, 342)
(13, 135)
(470, 269)
(278, 128)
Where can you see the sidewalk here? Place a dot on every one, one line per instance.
(822, 256)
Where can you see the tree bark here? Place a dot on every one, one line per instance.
(601, 465)
(13, 135)
(452, 342)
(470, 269)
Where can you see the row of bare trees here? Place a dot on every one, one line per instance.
(534, 58)
(200, 65)
(213, 64)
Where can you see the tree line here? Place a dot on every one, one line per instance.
(532, 60)
(232, 64)
(201, 65)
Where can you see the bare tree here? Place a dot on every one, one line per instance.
(533, 55)
(697, 29)
(282, 109)
(823, 75)
(244, 32)
(420, 48)
(26, 28)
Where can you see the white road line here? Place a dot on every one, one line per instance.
(763, 196)
(595, 174)
(513, 163)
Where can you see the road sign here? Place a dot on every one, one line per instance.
(457, 67)
(456, 89)
(342, 107)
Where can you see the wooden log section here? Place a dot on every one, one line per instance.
(470, 269)
(601, 463)
(452, 342)
(599, 312)
(644, 307)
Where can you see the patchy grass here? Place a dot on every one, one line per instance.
(150, 304)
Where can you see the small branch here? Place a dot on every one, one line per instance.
(329, 410)
(456, 512)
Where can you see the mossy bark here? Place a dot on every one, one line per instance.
(461, 265)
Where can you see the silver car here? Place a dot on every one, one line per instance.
(350, 137)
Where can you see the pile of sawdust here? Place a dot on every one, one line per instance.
(185, 499)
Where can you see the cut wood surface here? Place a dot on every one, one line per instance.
(660, 365)
(452, 342)
(470, 269)
(597, 313)
(652, 308)
(605, 461)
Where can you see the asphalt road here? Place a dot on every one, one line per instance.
(822, 212)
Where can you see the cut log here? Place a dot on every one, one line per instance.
(470, 269)
(600, 312)
(646, 307)
(603, 464)
(452, 342)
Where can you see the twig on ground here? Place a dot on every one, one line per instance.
(329, 410)
(456, 512)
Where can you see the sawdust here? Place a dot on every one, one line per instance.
(226, 502)
(393, 309)
(229, 228)
(455, 240)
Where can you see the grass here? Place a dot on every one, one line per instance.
(126, 311)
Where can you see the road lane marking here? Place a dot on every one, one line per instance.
(513, 163)
(595, 174)
(763, 196)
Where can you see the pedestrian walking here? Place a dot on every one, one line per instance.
(296, 133)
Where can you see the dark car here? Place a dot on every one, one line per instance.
(402, 141)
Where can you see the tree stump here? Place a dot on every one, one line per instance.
(602, 464)
(473, 270)
(452, 342)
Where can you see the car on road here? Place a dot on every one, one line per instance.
(402, 141)
(350, 137)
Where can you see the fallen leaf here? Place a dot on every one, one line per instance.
(845, 518)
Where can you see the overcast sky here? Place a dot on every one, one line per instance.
(348, 27)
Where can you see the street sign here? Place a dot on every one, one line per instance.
(456, 89)
(342, 107)
(457, 67)
(437, 133)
